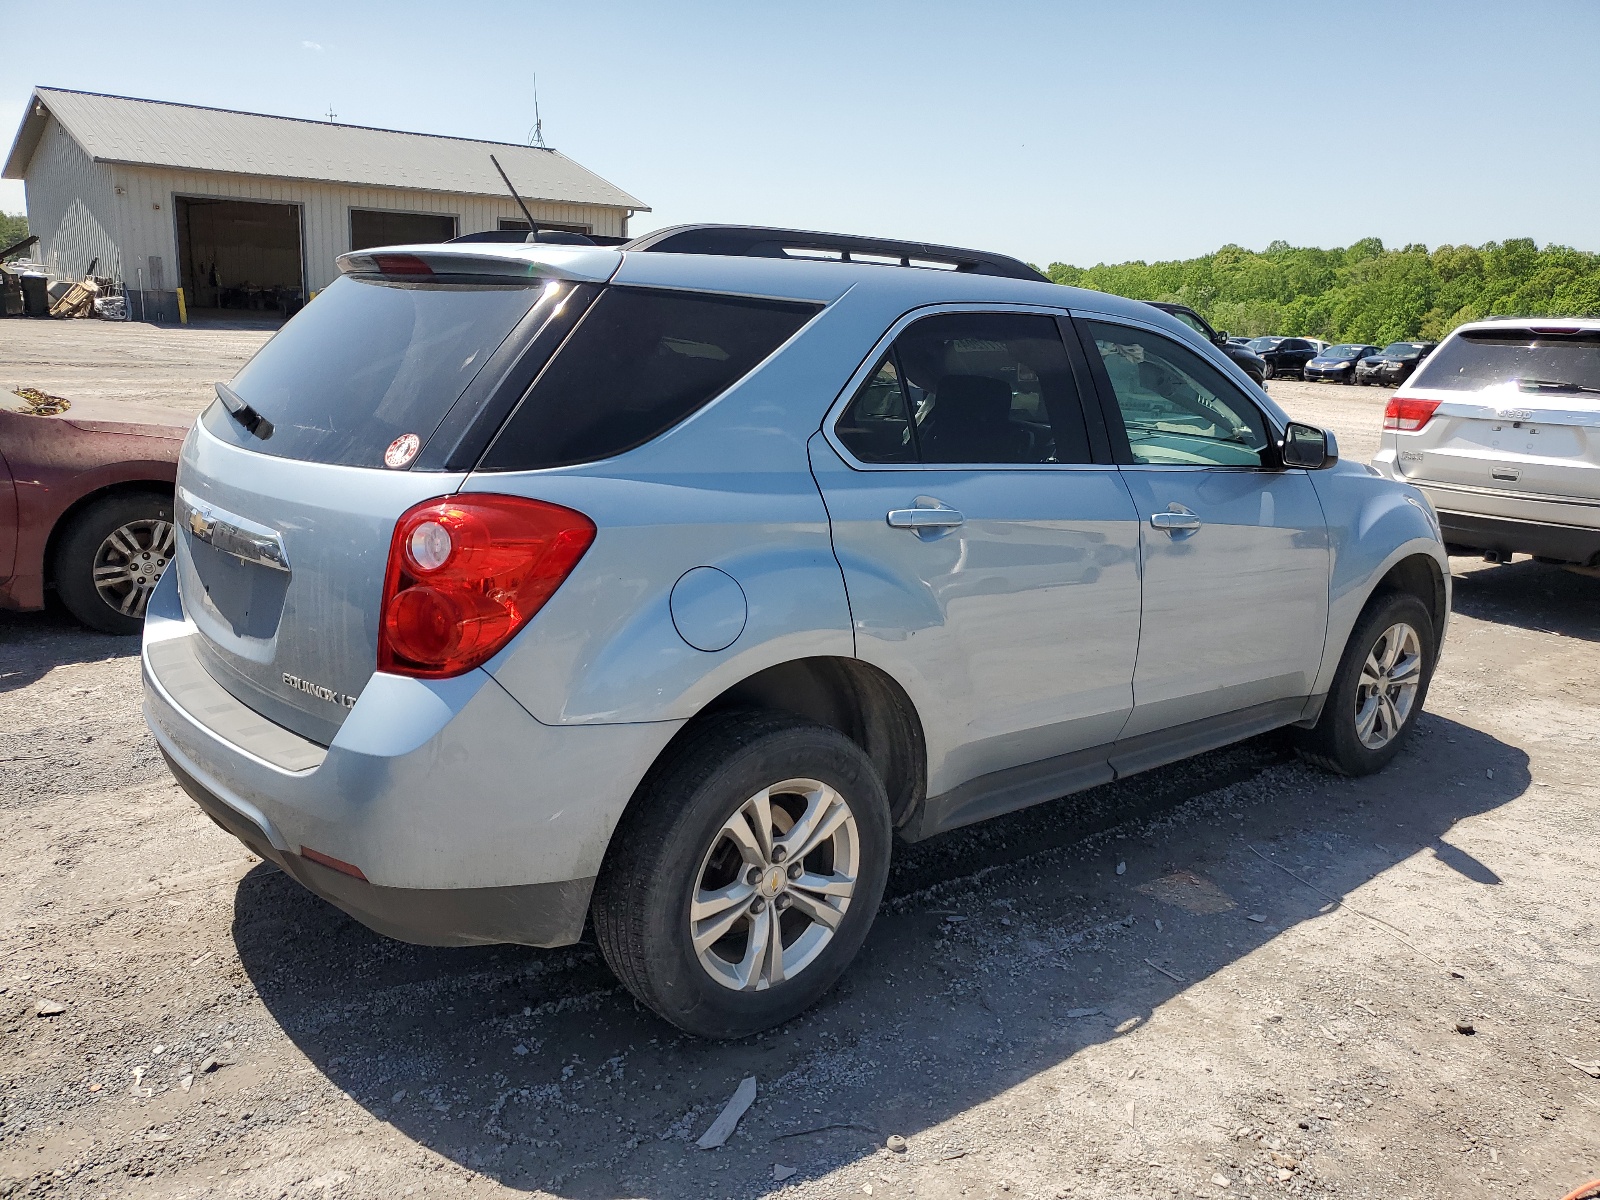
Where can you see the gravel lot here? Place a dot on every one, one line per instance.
(1236, 976)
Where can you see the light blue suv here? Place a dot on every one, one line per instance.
(524, 585)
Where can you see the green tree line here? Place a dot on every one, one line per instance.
(1361, 293)
(13, 228)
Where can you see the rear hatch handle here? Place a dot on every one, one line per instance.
(230, 533)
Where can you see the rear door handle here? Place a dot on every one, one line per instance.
(931, 516)
(1174, 521)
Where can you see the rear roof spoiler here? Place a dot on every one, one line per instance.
(754, 241)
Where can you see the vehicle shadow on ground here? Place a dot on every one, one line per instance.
(1530, 595)
(1004, 950)
(34, 643)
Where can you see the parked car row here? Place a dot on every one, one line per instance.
(1348, 362)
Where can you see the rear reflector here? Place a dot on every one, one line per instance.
(1407, 414)
(332, 863)
(466, 573)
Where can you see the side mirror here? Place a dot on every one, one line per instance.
(1220, 337)
(1308, 447)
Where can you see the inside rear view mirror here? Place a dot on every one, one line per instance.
(1308, 447)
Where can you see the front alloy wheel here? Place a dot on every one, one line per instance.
(110, 555)
(1388, 686)
(129, 562)
(1378, 690)
(775, 884)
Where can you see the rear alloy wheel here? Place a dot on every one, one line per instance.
(110, 558)
(745, 875)
(1378, 690)
(775, 885)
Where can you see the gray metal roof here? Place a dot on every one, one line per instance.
(153, 133)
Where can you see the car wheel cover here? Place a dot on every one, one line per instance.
(1387, 689)
(129, 562)
(773, 887)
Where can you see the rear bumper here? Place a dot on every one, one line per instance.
(471, 821)
(1568, 543)
(537, 914)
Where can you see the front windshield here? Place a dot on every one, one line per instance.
(1264, 343)
(1343, 352)
(1402, 350)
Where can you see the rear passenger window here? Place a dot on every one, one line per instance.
(970, 388)
(641, 361)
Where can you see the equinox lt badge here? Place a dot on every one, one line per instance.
(317, 690)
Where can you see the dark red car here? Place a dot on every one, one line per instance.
(86, 507)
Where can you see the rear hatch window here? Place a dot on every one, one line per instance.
(1526, 359)
(640, 361)
(369, 361)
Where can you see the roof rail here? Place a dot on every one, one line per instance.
(755, 241)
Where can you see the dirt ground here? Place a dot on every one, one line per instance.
(1233, 977)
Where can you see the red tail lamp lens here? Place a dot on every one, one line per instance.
(1407, 414)
(466, 573)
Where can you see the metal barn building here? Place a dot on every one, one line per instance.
(247, 212)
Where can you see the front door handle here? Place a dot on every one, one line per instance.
(1174, 522)
(929, 514)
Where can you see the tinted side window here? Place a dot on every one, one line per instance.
(990, 388)
(876, 428)
(641, 361)
(1177, 408)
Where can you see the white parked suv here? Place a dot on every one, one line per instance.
(1500, 427)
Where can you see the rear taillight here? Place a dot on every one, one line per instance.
(466, 573)
(1407, 414)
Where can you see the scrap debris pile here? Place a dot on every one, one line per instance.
(27, 290)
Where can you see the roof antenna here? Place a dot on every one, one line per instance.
(536, 135)
(533, 227)
(332, 116)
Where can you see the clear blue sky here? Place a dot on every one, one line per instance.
(1075, 132)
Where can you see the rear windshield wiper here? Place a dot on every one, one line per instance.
(241, 412)
(1553, 385)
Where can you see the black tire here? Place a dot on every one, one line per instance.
(1268, 371)
(145, 519)
(1334, 742)
(641, 905)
